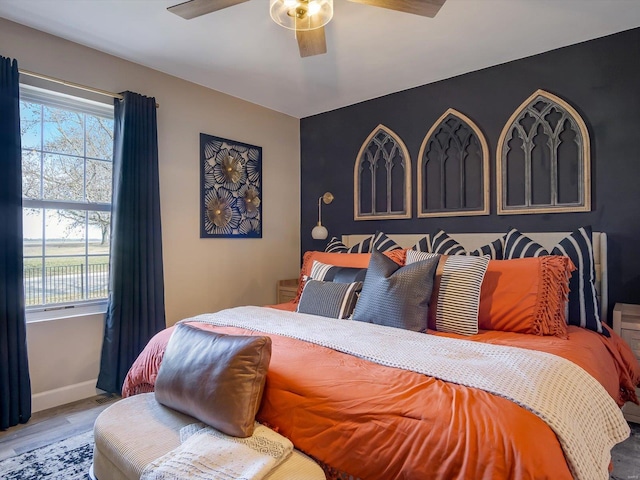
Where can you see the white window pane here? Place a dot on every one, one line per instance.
(63, 178)
(32, 232)
(31, 125)
(99, 137)
(65, 232)
(63, 131)
(31, 174)
(98, 232)
(65, 279)
(99, 187)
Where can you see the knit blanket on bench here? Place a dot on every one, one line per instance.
(207, 454)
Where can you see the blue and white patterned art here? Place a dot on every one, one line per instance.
(231, 188)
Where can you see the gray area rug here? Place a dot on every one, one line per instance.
(626, 456)
(68, 459)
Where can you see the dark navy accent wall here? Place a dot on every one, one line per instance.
(600, 78)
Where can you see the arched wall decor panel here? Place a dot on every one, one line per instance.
(382, 178)
(453, 169)
(543, 162)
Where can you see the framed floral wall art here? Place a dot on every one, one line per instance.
(231, 188)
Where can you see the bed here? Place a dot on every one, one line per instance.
(370, 401)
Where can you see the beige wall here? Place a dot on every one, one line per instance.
(201, 275)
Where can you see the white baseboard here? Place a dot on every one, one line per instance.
(60, 396)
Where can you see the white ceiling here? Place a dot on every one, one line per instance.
(371, 51)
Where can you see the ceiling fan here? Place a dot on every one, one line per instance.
(306, 17)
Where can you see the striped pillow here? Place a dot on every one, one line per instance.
(329, 299)
(443, 244)
(517, 245)
(331, 273)
(379, 241)
(583, 308)
(458, 291)
(382, 243)
(336, 246)
(423, 245)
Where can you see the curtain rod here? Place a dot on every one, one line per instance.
(72, 84)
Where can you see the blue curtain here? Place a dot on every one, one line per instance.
(135, 310)
(15, 386)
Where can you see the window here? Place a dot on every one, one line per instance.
(67, 159)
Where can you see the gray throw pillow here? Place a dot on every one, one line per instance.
(216, 378)
(396, 296)
(329, 299)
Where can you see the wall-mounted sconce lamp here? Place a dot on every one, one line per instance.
(320, 232)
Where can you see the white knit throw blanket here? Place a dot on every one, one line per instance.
(207, 454)
(585, 418)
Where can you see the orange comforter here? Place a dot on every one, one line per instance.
(376, 422)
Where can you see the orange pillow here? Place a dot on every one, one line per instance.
(526, 295)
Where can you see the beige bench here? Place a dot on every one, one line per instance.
(137, 430)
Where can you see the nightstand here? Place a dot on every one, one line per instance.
(287, 290)
(626, 323)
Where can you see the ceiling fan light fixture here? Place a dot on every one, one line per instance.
(301, 14)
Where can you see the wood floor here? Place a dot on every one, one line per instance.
(53, 425)
(626, 456)
(58, 423)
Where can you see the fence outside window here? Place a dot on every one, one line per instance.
(65, 283)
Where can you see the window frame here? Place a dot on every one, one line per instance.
(401, 150)
(583, 150)
(483, 181)
(51, 98)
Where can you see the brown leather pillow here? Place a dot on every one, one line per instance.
(218, 379)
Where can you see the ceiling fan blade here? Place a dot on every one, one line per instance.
(196, 8)
(311, 42)
(426, 8)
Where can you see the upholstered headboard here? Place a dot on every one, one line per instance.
(471, 241)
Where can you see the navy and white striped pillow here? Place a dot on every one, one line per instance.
(331, 273)
(583, 308)
(494, 250)
(329, 299)
(383, 243)
(443, 244)
(336, 246)
(379, 241)
(423, 245)
(517, 245)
